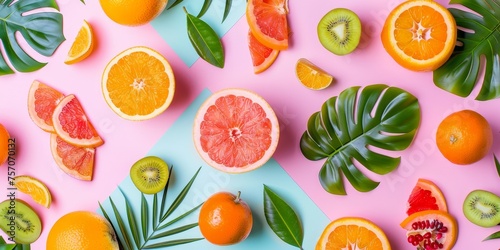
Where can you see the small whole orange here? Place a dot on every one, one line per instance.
(133, 12)
(225, 219)
(464, 137)
(4, 144)
(82, 230)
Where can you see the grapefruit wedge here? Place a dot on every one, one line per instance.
(235, 131)
(42, 100)
(426, 196)
(268, 22)
(262, 56)
(77, 162)
(72, 125)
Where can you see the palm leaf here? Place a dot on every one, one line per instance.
(180, 197)
(346, 126)
(144, 216)
(479, 36)
(174, 231)
(204, 8)
(165, 191)
(131, 220)
(174, 4)
(180, 217)
(227, 8)
(121, 226)
(171, 243)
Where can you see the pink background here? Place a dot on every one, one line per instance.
(127, 141)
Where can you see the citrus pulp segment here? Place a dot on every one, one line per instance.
(83, 45)
(138, 84)
(262, 56)
(311, 76)
(352, 233)
(72, 124)
(426, 196)
(42, 100)
(77, 162)
(420, 35)
(34, 188)
(268, 22)
(235, 131)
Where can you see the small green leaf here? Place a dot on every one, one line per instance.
(282, 219)
(493, 236)
(180, 197)
(174, 4)
(13, 246)
(180, 217)
(204, 8)
(131, 220)
(121, 226)
(205, 41)
(155, 209)
(165, 191)
(227, 8)
(497, 164)
(144, 217)
(82, 1)
(174, 231)
(171, 243)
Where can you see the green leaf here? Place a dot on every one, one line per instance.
(346, 126)
(180, 197)
(165, 191)
(42, 31)
(13, 246)
(479, 36)
(121, 225)
(144, 216)
(131, 220)
(82, 1)
(180, 217)
(204, 8)
(493, 236)
(497, 164)
(227, 8)
(174, 231)
(155, 207)
(205, 41)
(174, 4)
(282, 219)
(171, 243)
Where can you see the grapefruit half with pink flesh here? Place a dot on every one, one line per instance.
(77, 162)
(426, 196)
(72, 124)
(236, 131)
(42, 100)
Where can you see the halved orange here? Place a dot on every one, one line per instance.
(353, 233)
(77, 162)
(138, 84)
(42, 100)
(72, 124)
(262, 56)
(426, 196)
(311, 76)
(34, 188)
(83, 45)
(268, 22)
(420, 34)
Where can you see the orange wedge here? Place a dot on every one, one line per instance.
(268, 22)
(83, 45)
(420, 35)
(138, 84)
(34, 188)
(311, 76)
(262, 56)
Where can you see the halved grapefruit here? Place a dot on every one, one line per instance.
(268, 22)
(235, 131)
(72, 124)
(42, 100)
(262, 57)
(426, 196)
(77, 162)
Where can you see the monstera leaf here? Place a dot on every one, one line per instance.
(346, 126)
(41, 29)
(481, 37)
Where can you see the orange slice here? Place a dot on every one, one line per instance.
(72, 124)
(426, 196)
(42, 100)
(34, 188)
(262, 56)
(353, 233)
(83, 45)
(311, 76)
(268, 22)
(138, 84)
(420, 34)
(77, 162)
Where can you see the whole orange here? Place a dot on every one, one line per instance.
(82, 230)
(4, 144)
(464, 137)
(133, 12)
(225, 219)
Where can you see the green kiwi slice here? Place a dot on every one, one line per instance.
(339, 31)
(482, 208)
(19, 221)
(150, 174)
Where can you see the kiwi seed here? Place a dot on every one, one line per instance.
(482, 208)
(339, 31)
(150, 174)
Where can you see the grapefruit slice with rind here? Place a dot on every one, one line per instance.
(42, 100)
(268, 22)
(72, 124)
(235, 131)
(426, 196)
(262, 56)
(77, 162)
(34, 188)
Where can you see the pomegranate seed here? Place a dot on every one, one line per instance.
(411, 238)
(428, 247)
(435, 245)
(415, 243)
(433, 224)
(419, 238)
(439, 236)
(439, 225)
(443, 230)
(427, 224)
(414, 226)
(441, 246)
(427, 235)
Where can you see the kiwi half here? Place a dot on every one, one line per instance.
(482, 208)
(150, 174)
(19, 221)
(339, 31)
